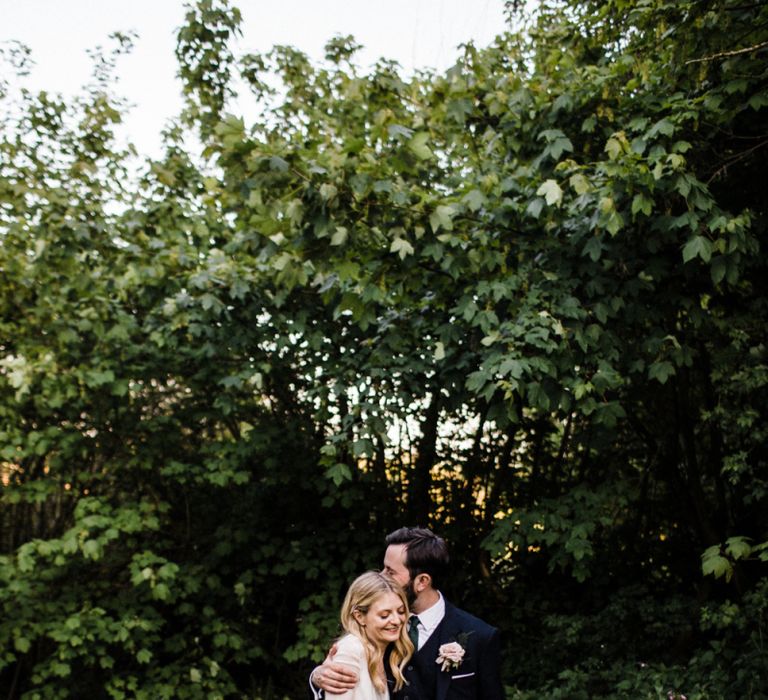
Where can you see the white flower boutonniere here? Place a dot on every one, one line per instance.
(450, 656)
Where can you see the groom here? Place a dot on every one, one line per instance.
(417, 559)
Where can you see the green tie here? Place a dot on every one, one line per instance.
(413, 631)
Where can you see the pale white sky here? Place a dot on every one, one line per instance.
(416, 33)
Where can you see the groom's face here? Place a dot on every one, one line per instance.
(394, 565)
(395, 568)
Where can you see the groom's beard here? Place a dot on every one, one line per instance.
(410, 594)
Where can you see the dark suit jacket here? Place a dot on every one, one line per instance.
(477, 678)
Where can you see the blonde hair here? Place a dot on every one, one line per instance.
(365, 590)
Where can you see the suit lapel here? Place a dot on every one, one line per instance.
(446, 632)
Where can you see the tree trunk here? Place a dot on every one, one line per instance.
(419, 497)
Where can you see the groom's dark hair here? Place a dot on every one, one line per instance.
(425, 552)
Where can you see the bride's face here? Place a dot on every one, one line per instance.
(384, 620)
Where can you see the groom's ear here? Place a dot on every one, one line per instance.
(422, 582)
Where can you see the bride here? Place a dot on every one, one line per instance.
(373, 615)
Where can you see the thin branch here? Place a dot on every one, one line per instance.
(725, 54)
(736, 159)
(738, 8)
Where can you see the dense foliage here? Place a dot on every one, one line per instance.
(523, 302)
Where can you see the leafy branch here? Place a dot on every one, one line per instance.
(728, 54)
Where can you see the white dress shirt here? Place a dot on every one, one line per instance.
(429, 619)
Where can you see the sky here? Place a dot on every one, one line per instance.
(415, 33)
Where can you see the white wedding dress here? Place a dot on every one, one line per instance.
(350, 651)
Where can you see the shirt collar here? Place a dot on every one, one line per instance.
(432, 616)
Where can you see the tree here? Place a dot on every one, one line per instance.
(522, 302)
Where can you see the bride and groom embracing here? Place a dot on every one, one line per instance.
(403, 640)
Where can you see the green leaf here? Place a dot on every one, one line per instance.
(579, 183)
(759, 100)
(22, 644)
(402, 247)
(558, 146)
(551, 192)
(339, 473)
(281, 261)
(718, 269)
(362, 447)
(697, 246)
(92, 549)
(563, 102)
(231, 130)
(661, 371)
(534, 207)
(613, 223)
(613, 148)
(96, 378)
(738, 547)
(537, 396)
(474, 199)
(61, 669)
(476, 380)
(294, 211)
(713, 563)
(490, 339)
(278, 164)
(593, 248)
(581, 389)
(328, 191)
(161, 591)
(340, 236)
(663, 126)
(511, 367)
(641, 203)
(418, 146)
(399, 131)
(442, 217)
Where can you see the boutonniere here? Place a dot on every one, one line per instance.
(450, 655)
